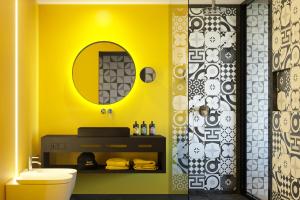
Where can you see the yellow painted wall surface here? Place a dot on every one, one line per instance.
(7, 93)
(28, 85)
(28, 80)
(144, 31)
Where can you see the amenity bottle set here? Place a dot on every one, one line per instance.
(144, 132)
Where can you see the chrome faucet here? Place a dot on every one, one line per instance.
(33, 160)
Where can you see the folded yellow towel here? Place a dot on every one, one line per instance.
(153, 168)
(117, 162)
(116, 168)
(145, 165)
(140, 164)
(143, 162)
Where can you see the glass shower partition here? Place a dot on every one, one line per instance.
(212, 79)
(179, 96)
(220, 60)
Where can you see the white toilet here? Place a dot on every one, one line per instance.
(73, 172)
(42, 184)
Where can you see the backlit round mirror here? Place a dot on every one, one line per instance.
(104, 73)
(148, 75)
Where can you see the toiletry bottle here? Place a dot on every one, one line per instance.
(152, 128)
(144, 128)
(135, 129)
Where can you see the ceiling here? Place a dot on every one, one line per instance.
(137, 1)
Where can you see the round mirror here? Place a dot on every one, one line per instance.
(103, 73)
(148, 75)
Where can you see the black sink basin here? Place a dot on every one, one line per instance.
(103, 132)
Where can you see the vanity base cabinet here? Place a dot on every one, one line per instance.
(133, 144)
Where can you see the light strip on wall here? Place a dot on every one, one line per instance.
(16, 87)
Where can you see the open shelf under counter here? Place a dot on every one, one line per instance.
(73, 143)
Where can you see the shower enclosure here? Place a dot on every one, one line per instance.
(220, 61)
(213, 62)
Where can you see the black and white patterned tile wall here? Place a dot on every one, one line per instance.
(286, 116)
(116, 76)
(212, 82)
(179, 98)
(257, 99)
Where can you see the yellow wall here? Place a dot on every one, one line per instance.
(28, 82)
(144, 31)
(7, 93)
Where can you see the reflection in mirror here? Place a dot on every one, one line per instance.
(148, 75)
(104, 73)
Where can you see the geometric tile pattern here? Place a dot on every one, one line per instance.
(116, 76)
(286, 155)
(286, 119)
(179, 113)
(257, 99)
(212, 82)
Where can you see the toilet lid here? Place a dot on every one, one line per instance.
(56, 170)
(33, 178)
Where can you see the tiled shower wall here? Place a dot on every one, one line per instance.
(286, 113)
(257, 99)
(212, 82)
